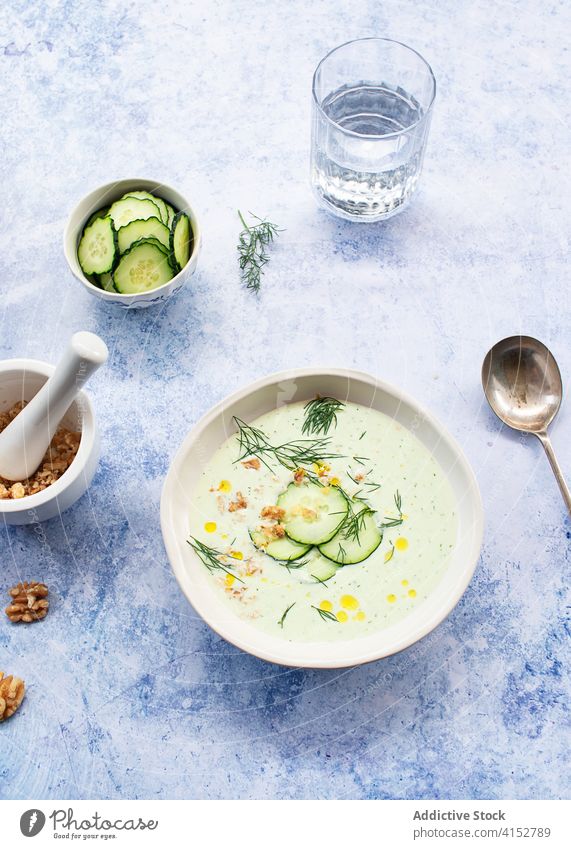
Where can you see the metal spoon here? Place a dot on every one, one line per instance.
(522, 383)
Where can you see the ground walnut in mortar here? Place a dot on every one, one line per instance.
(57, 459)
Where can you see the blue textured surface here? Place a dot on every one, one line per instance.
(129, 693)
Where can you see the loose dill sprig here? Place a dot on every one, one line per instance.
(326, 614)
(252, 243)
(320, 414)
(284, 614)
(300, 453)
(211, 557)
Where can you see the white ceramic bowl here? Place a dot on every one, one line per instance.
(104, 196)
(261, 397)
(21, 380)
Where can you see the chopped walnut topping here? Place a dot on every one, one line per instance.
(304, 512)
(56, 461)
(298, 476)
(272, 513)
(29, 602)
(273, 531)
(308, 513)
(359, 476)
(12, 692)
(239, 504)
(252, 463)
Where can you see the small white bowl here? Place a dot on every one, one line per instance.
(21, 380)
(106, 195)
(261, 397)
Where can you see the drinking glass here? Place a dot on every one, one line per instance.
(372, 104)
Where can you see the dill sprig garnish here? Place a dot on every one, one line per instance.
(390, 521)
(252, 243)
(291, 564)
(320, 414)
(371, 485)
(284, 614)
(326, 614)
(300, 453)
(211, 557)
(321, 580)
(355, 522)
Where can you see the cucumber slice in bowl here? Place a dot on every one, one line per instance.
(106, 282)
(279, 549)
(159, 203)
(101, 213)
(181, 234)
(144, 267)
(97, 249)
(171, 214)
(313, 513)
(130, 209)
(142, 229)
(357, 538)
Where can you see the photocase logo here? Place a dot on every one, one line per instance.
(32, 822)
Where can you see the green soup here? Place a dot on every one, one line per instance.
(381, 463)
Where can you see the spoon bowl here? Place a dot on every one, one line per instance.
(523, 386)
(522, 383)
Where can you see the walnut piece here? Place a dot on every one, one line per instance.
(239, 504)
(252, 463)
(272, 513)
(273, 531)
(12, 692)
(299, 476)
(29, 602)
(57, 459)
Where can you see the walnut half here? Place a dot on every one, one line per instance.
(12, 692)
(29, 602)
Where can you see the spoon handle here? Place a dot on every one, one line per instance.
(565, 491)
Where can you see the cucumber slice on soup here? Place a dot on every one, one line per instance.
(279, 549)
(97, 248)
(322, 569)
(313, 513)
(358, 537)
(144, 267)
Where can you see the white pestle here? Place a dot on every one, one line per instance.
(26, 439)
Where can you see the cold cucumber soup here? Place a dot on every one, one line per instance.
(322, 521)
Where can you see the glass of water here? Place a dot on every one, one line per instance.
(372, 103)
